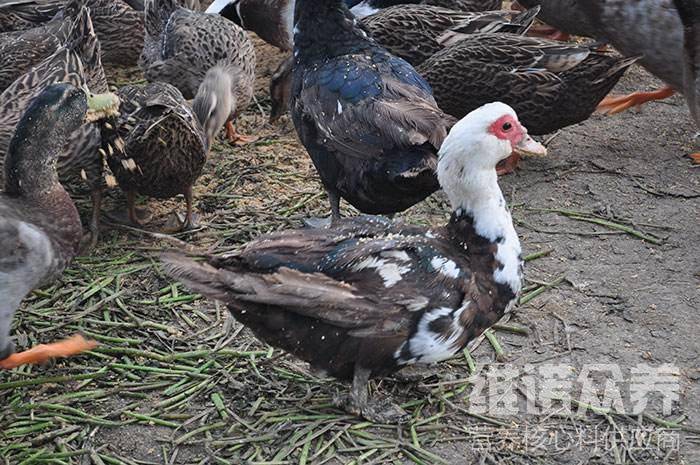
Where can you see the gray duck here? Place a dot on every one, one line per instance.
(689, 12)
(224, 93)
(156, 147)
(40, 229)
(78, 63)
(566, 16)
(550, 84)
(650, 29)
(368, 296)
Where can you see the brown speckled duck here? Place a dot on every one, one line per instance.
(550, 84)
(20, 15)
(182, 45)
(369, 296)
(40, 229)
(362, 8)
(156, 147)
(78, 63)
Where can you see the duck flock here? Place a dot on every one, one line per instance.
(392, 102)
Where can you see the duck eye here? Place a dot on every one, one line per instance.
(507, 126)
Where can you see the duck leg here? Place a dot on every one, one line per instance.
(612, 105)
(358, 403)
(189, 222)
(134, 216)
(235, 138)
(317, 223)
(96, 195)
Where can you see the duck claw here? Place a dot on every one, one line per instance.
(382, 411)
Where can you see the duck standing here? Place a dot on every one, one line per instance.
(369, 296)
(367, 118)
(40, 230)
(156, 147)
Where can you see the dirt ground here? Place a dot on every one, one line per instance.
(610, 222)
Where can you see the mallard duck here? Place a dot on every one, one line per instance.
(40, 229)
(78, 63)
(362, 8)
(21, 50)
(156, 147)
(689, 12)
(369, 296)
(367, 118)
(19, 15)
(416, 32)
(650, 29)
(551, 85)
(225, 91)
(182, 45)
(120, 29)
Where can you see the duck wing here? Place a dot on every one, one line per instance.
(368, 275)
(365, 106)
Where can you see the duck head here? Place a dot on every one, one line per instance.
(214, 103)
(474, 146)
(41, 134)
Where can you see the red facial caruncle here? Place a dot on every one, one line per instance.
(507, 127)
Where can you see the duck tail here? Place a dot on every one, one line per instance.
(615, 71)
(196, 275)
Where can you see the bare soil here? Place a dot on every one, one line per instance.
(617, 299)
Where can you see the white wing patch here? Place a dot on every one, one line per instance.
(445, 266)
(391, 273)
(427, 346)
(363, 9)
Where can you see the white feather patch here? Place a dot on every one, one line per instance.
(427, 346)
(391, 273)
(445, 266)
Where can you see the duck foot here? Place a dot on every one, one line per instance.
(177, 222)
(235, 138)
(357, 402)
(695, 157)
(613, 105)
(508, 165)
(141, 216)
(45, 352)
(549, 33)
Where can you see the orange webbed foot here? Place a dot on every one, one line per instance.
(612, 105)
(44, 352)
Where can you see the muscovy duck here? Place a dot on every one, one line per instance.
(689, 11)
(369, 296)
(366, 117)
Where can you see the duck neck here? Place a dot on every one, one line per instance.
(326, 28)
(482, 224)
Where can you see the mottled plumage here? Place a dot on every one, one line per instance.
(367, 118)
(120, 29)
(40, 228)
(416, 32)
(157, 147)
(182, 45)
(551, 85)
(362, 8)
(369, 296)
(19, 15)
(78, 63)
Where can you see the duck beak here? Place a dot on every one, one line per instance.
(101, 106)
(529, 147)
